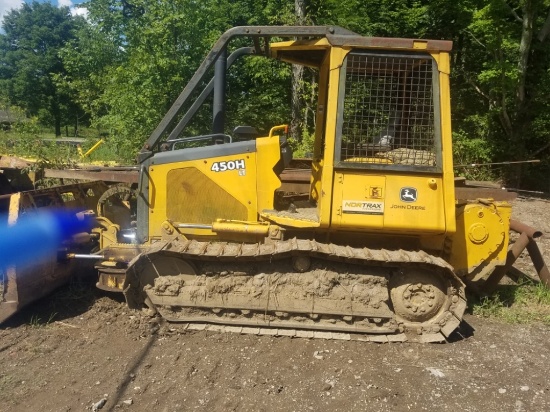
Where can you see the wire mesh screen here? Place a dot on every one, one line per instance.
(388, 111)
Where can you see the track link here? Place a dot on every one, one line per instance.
(303, 286)
(294, 333)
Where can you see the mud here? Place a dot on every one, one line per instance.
(327, 291)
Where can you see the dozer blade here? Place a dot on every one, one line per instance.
(21, 286)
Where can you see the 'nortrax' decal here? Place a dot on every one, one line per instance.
(364, 207)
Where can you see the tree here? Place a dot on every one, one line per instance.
(135, 57)
(29, 60)
(88, 60)
(502, 79)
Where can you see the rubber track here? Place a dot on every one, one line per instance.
(227, 251)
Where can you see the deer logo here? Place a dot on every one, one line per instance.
(408, 194)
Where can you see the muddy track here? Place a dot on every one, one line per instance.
(304, 285)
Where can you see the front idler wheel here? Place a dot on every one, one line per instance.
(418, 296)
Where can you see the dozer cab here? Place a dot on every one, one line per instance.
(378, 248)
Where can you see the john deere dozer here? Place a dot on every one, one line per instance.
(378, 248)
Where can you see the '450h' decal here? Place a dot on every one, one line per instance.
(229, 165)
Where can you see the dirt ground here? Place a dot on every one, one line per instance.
(82, 347)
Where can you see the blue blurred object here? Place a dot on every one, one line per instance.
(37, 236)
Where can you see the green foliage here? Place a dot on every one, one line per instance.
(128, 87)
(122, 69)
(500, 72)
(34, 34)
(22, 138)
(37, 322)
(112, 151)
(258, 94)
(137, 77)
(26, 140)
(304, 147)
(468, 151)
(521, 303)
(86, 60)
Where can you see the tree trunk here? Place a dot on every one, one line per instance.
(297, 80)
(56, 112)
(543, 33)
(525, 48)
(296, 121)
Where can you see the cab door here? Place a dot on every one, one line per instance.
(388, 162)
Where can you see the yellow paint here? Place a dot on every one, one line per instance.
(112, 282)
(91, 149)
(442, 60)
(335, 62)
(268, 154)
(318, 162)
(305, 45)
(481, 237)
(204, 190)
(374, 201)
(229, 226)
(289, 51)
(13, 214)
(420, 45)
(175, 198)
(282, 127)
(289, 221)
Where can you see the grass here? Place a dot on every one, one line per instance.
(36, 322)
(6, 382)
(523, 303)
(31, 141)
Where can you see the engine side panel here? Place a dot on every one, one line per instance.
(198, 186)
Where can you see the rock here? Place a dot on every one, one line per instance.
(98, 405)
(317, 355)
(436, 372)
(128, 402)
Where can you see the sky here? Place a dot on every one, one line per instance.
(7, 5)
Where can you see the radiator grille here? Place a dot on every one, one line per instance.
(194, 198)
(388, 111)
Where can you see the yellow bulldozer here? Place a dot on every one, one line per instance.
(377, 247)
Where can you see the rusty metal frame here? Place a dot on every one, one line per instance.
(253, 32)
(526, 240)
